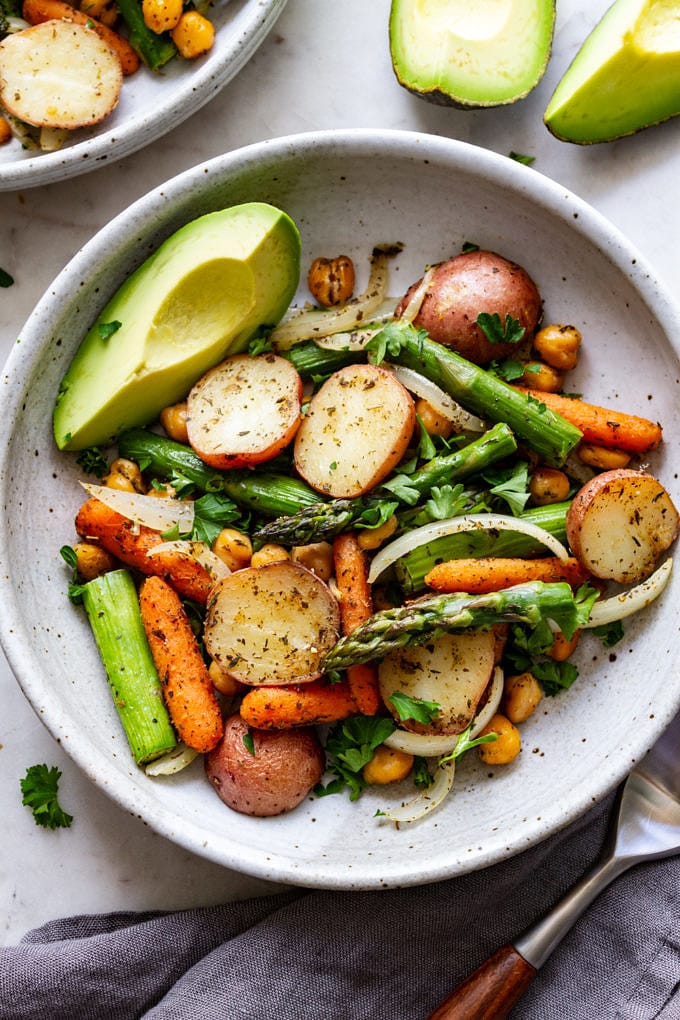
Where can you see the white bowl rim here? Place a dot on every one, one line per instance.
(23, 360)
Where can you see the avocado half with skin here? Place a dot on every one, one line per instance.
(202, 295)
(471, 53)
(625, 77)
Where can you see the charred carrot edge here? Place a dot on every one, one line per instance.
(187, 690)
(489, 574)
(356, 605)
(602, 426)
(130, 545)
(279, 708)
(37, 11)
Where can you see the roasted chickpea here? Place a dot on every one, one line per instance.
(331, 281)
(317, 557)
(269, 553)
(373, 538)
(174, 421)
(562, 647)
(548, 485)
(161, 15)
(234, 548)
(193, 35)
(224, 683)
(387, 766)
(506, 747)
(92, 561)
(539, 376)
(125, 475)
(602, 458)
(558, 346)
(521, 695)
(435, 422)
(5, 131)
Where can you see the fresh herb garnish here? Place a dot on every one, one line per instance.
(5, 279)
(350, 746)
(469, 246)
(464, 744)
(422, 777)
(259, 345)
(408, 707)
(510, 484)
(93, 461)
(75, 589)
(39, 788)
(249, 742)
(520, 157)
(497, 332)
(107, 329)
(553, 676)
(609, 633)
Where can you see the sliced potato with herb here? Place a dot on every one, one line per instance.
(244, 411)
(452, 671)
(356, 431)
(272, 624)
(58, 75)
(620, 523)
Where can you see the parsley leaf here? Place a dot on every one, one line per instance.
(408, 707)
(389, 340)
(376, 515)
(520, 157)
(422, 777)
(510, 484)
(609, 633)
(107, 329)
(75, 589)
(39, 789)
(508, 369)
(350, 746)
(93, 461)
(249, 742)
(426, 448)
(554, 676)
(211, 513)
(498, 333)
(464, 743)
(5, 279)
(469, 246)
(259, 345)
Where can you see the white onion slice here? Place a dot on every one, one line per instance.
(441, 401)
(412, 307)
(316, 322)
(633, 600)
(172, 762)
(491, 705)
(199, 551)
(427, 800)
(453, 525)
(154, 512)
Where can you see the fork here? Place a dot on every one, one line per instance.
(645, 826)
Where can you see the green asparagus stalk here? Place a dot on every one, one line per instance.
(411, 569)
(266, 493)
(418, 622)
(327, 520)
(113, 611)
(311, 360)
(481, 392)
(154, 50)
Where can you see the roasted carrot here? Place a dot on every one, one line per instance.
(487, 574)
(37, 11)
(601, 425)
(356, 605)
(187, 689)
(131, 546)
(278, 708)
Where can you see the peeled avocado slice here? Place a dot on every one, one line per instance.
(625, 77)
(202, 295)
(471, 53)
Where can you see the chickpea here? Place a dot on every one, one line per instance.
(234, 548)
(331, 281)
(563, 647)
(224, 683)
(387, 766)
(435, 423)
(5, 131)
(373, 538)
(174, 421)
(125, 475)
(548, 485)
(317, 557)
(602, 458)
(506, 748)
(558, 346)
(193, 35)
(92, 561)
(521, 695)
(161, 15)
(269, 553)
(539, 376)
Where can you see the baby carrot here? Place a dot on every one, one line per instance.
(487, 574)
(278, 708)
(356, 606)
(37, 11)
(131, 545)
(187, 689)
(601, 425)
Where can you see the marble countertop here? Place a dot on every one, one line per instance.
(323, 65)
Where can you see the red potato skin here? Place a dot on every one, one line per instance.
(464, 286)
(287, 764)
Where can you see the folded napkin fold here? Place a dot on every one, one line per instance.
(308, 955)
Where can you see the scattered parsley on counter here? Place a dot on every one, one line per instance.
(107, 329)
(39, 788)
(520, 157)
(5, 279)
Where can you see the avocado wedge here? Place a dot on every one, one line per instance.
(202, 295)
(471, 53)
(625, 77)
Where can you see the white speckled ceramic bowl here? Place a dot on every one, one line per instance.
(150, 104)
(348, 191)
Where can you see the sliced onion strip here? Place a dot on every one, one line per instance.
(445, 405)
(172, 762)
(154, 512)
(316, 322)
(199, 551)
(414, 303)
(491, 705)
(453, 525)
(428, 800)
(633, 600)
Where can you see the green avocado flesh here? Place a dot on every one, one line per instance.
(625, 77)
(202, 295)
(471, 53)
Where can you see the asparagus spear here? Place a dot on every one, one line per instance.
(268, 494)
(155, 50)
(420, 621)
(329, 519)
(113, 611)
(312, 360)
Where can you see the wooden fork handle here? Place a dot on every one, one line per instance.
(491, 991)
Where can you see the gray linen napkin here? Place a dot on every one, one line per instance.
(391, 954)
